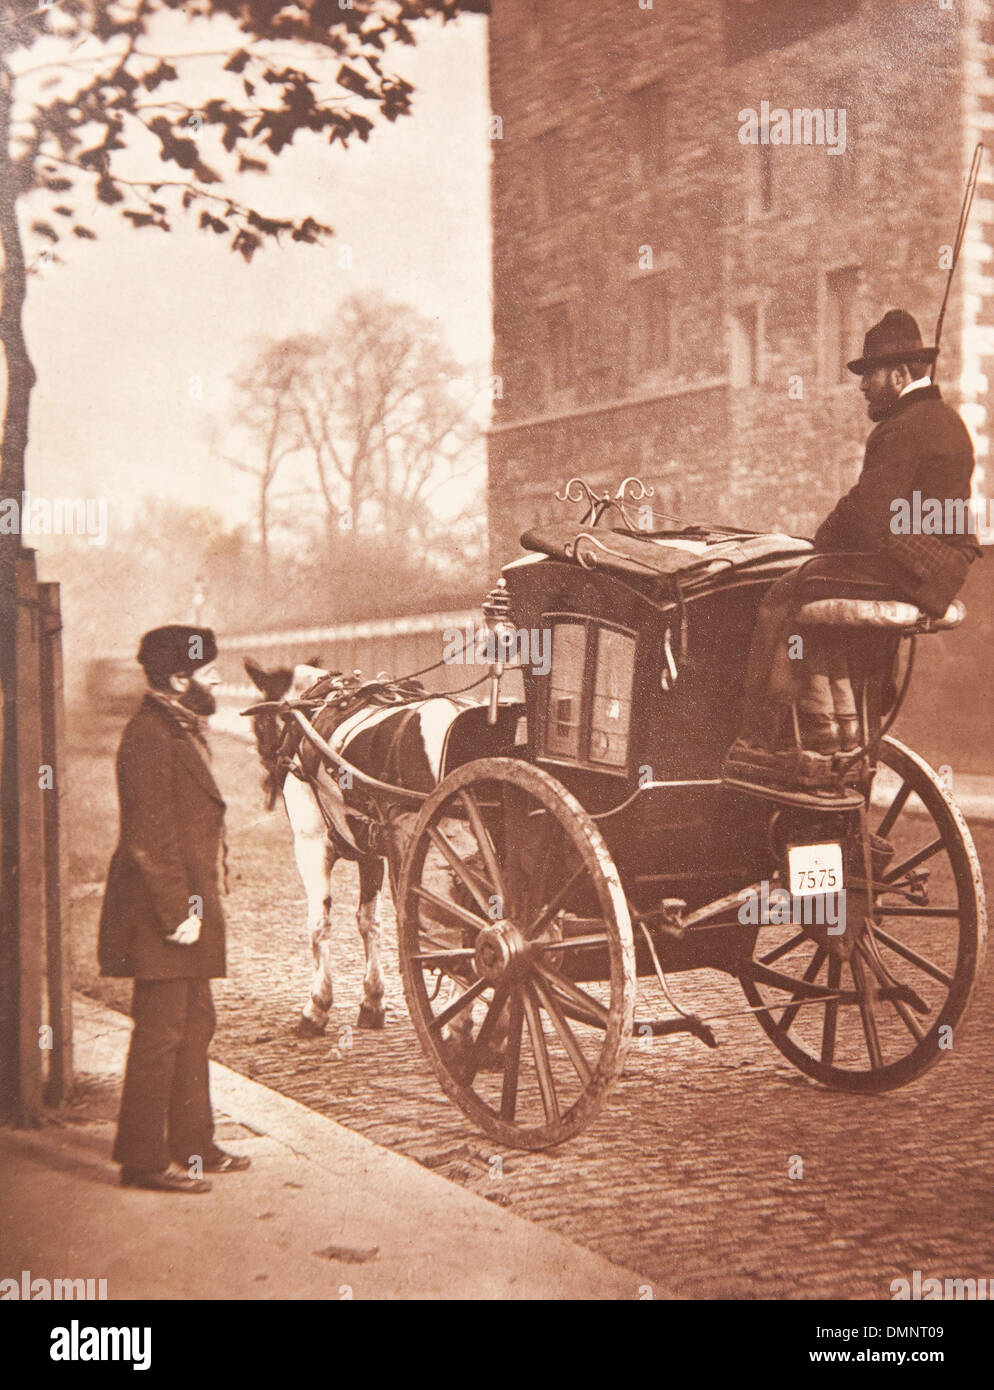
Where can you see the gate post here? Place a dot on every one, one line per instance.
(30, 904)
(57, 938)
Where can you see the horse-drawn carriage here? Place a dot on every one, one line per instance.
(583, 839)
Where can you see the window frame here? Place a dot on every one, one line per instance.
(646, 166)
(736, 327)
(742, 46)
(650, 283)
(592, 625)
(834, 374)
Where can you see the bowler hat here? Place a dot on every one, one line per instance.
(895, 339)
(176, 649)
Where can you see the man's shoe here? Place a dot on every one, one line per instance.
(849, 732)
(819, 732)
(221, 1162)
(171, 1179)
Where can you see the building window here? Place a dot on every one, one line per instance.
(650, 315)
(765, 190)
(842, 340)
(646, 117)
(746, 346)
(557, 341)
(534, 27)
(551, 179)
(756, 26)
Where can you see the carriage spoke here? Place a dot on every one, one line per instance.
(923, 912)
(487, 1029)
(486, 845)
(904, 1013)
(569, 943)
(431, 958)
(866, 1012)
(923, 964)
(461, 914)
(462, 871)
(549, 910)
(783, 948)
(809, 976)
(457, 1005)
(540, 1050)
(561, 985)
(566, 1035)
(512, 1057)
(894, 810)
(831, 1013)
(913, 861)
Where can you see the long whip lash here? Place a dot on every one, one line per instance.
(964, 218)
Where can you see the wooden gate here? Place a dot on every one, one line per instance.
(37, 942)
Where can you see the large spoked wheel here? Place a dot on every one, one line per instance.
(508, 899)
(893, 1009)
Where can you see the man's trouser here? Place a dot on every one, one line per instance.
(166, 1108)
(817, 677)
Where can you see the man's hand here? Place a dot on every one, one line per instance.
(187, 932)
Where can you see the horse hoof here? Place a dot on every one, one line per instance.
(308, 1028)
(370, 1017)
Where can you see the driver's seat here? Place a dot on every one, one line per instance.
(897, 615)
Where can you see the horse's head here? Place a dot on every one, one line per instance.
(283, 682)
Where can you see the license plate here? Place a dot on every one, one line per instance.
(814, 869)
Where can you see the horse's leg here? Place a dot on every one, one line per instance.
(371, 1012)
(315, 860)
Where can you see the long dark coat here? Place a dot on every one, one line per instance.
(172, 820)
(922, 446)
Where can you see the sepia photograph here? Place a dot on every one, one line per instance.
(496, 665)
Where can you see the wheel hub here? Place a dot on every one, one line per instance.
(498, 948)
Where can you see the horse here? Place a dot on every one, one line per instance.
(385, 729)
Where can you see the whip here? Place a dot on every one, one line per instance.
(964, 218)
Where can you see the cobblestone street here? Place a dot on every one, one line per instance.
(685, 1175)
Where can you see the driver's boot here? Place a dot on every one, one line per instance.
(820, 733)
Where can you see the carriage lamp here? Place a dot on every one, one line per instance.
(501, 630)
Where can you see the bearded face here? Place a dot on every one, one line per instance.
(882, 388)
(197, 698)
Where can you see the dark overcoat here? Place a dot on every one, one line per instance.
(168, 855)
(922, 445)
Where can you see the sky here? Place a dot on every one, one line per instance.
(118, 329)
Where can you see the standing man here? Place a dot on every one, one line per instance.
(919, 444)
(162, 923)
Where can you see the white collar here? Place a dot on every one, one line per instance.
(915, 386)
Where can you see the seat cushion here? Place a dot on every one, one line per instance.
(890, 613)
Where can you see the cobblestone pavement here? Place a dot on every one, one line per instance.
(685, 1174)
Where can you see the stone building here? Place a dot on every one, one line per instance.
(699, 206)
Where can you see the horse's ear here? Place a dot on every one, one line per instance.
(315, 661)
(256, 672)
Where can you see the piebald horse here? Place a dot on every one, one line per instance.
(332, 816)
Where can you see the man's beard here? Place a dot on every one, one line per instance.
(198, 699)
(879, 405)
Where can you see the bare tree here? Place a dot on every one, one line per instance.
(386, 415)
(268, 419)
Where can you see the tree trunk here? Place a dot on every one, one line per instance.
(264, 525)
(20, 379)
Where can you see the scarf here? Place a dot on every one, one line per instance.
(193, 724)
